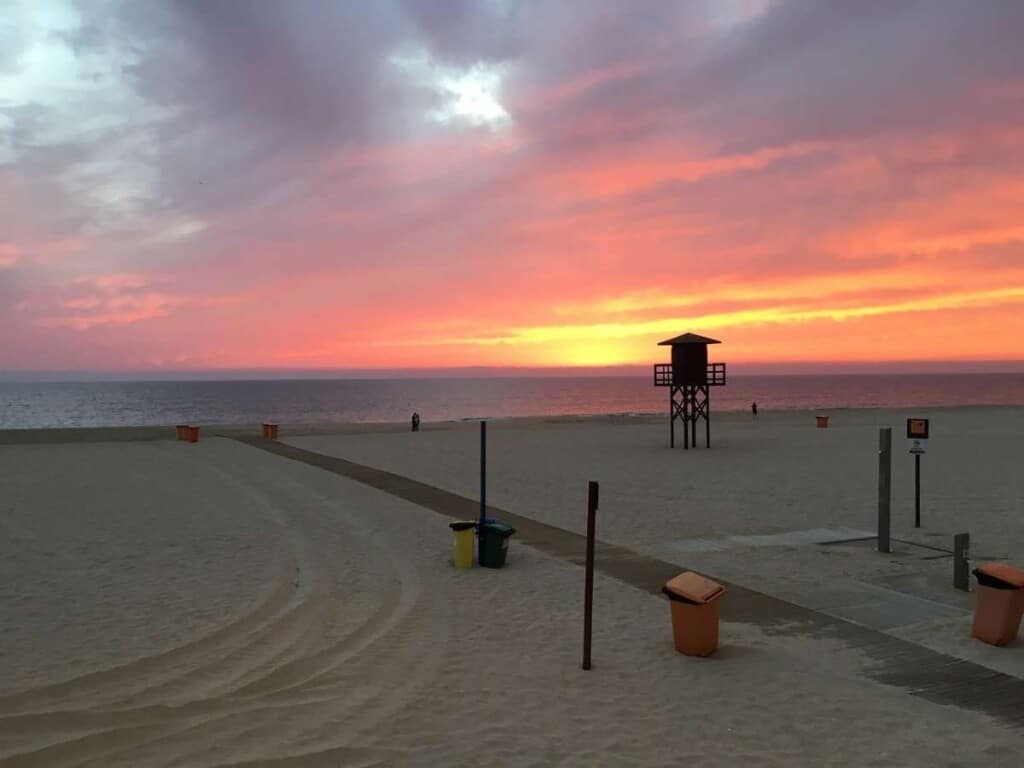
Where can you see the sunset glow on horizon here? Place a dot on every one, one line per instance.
(197, 185)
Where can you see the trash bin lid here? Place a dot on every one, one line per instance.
(499, 529)
(1012, 577)
(693, 588)
(462, 525)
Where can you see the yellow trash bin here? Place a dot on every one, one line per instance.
(462, 554)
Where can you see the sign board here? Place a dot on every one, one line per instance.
(918, 446)
(917, 428)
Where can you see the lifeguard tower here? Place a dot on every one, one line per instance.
(689, 378)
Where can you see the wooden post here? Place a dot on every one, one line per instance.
(588, 596)
(961, 569)
(917, 490)
(693, 415)
(671, 417)
(707, 417)
(686, 417)
(884, 487)
(682, 417)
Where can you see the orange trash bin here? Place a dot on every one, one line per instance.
(822, 421)
(193, 434)
(998, 603)
(694, 603)
(182, 431)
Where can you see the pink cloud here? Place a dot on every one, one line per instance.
(119, 299)
(9, 254)
(659, 167)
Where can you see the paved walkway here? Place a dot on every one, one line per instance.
(899, 663)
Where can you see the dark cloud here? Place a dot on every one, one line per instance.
(464, 32)
(258, 93)
(836, 70)
(251, 91)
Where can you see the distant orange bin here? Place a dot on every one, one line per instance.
(269, 430)
(998, 603)
(182, 431)
(694, 603)
(822, 421)
(193, 434)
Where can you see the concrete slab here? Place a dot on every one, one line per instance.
(884, 609)
(785, 539)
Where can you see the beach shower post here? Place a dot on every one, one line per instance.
(588, 594)
(884, 487)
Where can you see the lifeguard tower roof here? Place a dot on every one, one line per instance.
(688, 338)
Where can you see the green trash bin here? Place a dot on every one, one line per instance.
(494, 538)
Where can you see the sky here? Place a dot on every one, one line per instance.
(189, 185)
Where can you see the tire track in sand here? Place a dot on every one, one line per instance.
(306, 682)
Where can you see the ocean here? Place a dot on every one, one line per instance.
(323, 401)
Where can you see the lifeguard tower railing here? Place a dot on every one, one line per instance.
(663, 374)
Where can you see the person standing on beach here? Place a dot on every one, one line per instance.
(753, 408)
(415, 422)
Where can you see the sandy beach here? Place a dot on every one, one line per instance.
(270, 272)
(167, 604)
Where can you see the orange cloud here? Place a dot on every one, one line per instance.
(755, 177)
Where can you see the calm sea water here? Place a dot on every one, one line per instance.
(116, 403)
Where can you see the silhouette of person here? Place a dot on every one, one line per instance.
(753, 408)
(415, 422)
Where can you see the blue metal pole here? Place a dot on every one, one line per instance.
(483, 484)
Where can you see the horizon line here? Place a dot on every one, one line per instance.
(893, 367)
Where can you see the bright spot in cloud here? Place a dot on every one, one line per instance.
(469, 96)
(473, 97)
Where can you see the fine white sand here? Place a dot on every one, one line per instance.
(213, 605)
(771, 476)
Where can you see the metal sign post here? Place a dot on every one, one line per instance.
(917, 434)
(917, 490)
(588, 595)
